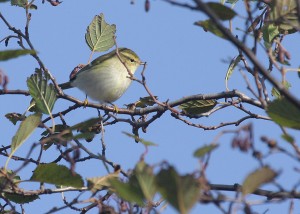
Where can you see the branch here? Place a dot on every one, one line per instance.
(141, 111)
(204, 8)
(261, 192)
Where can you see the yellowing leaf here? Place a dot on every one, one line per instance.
(138, 139)
(255, 179)
(100, 183)
(199, 153)
(209, 25)
(234, 62)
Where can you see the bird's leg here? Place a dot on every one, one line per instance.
(85, 102)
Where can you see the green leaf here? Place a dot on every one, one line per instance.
(232, 1)
(99, 35)
(182, 192)
(15, 117)
(20, 199)
(26, 128)
(86, 124)
(209, 25)
(257, 178)
(130, 191)
(146, 180)
(234, 62)
(23, 3)
(284, 113)
(43, 94)
(276, 93)
(270, 32)
(145, 101)
(284, 15)
(20, 3)
(99, 183)
(10, 54)
(138, 139)
(223, 12)
(63, 138)
(199, 153)
(56, 174)
(140, 186)
(8, 179)
(288, 138)
(196, 107)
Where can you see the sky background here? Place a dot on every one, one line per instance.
(182, 60)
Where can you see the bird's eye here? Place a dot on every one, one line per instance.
(131, 60)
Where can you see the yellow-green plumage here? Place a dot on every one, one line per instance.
(105, 79)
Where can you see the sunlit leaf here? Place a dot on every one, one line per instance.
(56, 174)
(199, 153)
(44, 94)
(209, 25)
(99, 35)
(138, 139)
(196, 107)
(257, 178)
(284, 15)
(23, 3)
(145, 101)
(270, 32)
(276, 93)
(223, 12)
(182, 192)
(234, 62)
(99, 183)
(284, 113)
(10, 54)
(8, 179)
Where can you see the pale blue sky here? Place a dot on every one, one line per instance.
(182, 60)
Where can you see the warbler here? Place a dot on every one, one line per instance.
(106, 78)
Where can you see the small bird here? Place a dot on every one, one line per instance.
(106, 78)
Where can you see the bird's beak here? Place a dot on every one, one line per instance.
(143, 63)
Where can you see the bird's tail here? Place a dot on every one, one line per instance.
(65, 85)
